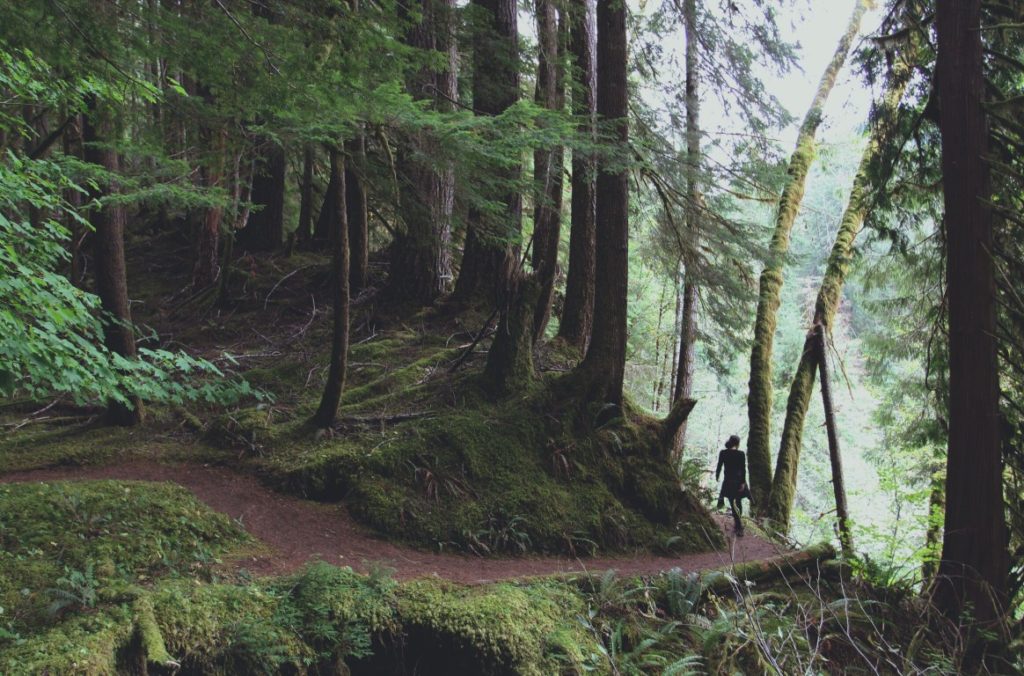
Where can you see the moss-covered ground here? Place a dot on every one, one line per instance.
(129, 577)
(422, 453)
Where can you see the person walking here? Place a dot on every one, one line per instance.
(732, 462)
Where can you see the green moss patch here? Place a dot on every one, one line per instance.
(498, 629)
(64, 545)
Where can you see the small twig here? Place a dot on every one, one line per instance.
(465, 353)
(279, 282)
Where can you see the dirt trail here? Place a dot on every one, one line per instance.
(297, 531)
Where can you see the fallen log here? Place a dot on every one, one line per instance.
(737, 577)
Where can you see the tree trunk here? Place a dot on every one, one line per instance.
(834, 455)
(659, 375)
(578, 312)
(207, 265)
(328, 410)
(492, 243)
(305, 228)
(265, 231)
(548, 165)
(108, 251)
(759, 400)
(324, 229)
(421, 265)
(688, 326)
(358, 225)
(605, 363)
(676, 329)
(975, 563)
(509, 366)
(777, 506)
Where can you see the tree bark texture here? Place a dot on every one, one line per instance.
(509, 366)
(358, 224)
(328, 410)
(578, 311)
(490, 253)
(108, 224)
(778, 507)
(975, 563)
(207, 264)
(421, 265)
(547, 165)
(605, 362)
(834, 454)
(759, 400)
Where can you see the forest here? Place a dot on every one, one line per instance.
(384, 337)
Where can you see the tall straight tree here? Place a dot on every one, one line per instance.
(421, 265)
(108, 252)
(975, 564)
(328, 410)
(490, 252)
(547, 164)
(780, 502)
(605, 364)
(688, 320)
(578, 311)
(759, 399)
(358, 223)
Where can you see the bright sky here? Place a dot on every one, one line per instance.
(817, 27)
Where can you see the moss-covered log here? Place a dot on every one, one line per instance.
(151, 641)
(780, 501)
(759, 401)
(779, 567)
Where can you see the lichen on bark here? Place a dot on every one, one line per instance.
(759, 401)
(780, 504)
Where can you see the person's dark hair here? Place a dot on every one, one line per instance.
(733, 442)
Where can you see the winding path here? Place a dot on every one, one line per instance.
(296, 531)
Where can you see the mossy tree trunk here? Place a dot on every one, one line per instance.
(974, 569)
(604, 366)
(421, 265)
(509, 366)
(108, 223)
(547, 164)
(688, 323)
(578, 312)
(492, 241)
(779, 505)
(759, 399)
(328, 410)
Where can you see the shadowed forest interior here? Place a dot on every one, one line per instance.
(404, 336)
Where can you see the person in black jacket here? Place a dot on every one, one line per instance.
(734, 485)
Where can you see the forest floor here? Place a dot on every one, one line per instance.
(297, 531)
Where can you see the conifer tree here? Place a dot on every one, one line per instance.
(578, 311)
(603, 367)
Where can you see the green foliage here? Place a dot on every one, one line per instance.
(63, 543)
(51, 335)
